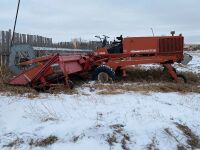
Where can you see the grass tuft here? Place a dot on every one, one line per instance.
(192, 139)
(44, 142)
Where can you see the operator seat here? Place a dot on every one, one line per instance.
(117, 46)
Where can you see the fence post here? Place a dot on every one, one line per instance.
(3, 48)
(23, 38)
(0, 54)
(7, 49)
(0, 48)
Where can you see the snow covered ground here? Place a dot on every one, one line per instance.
(193, 66)
(88, 121)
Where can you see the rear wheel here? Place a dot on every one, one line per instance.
(104, 74)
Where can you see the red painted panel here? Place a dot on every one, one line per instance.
(71, 67)
(164, 44)
(172, 44)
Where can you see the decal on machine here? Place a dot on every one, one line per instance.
(145, 50)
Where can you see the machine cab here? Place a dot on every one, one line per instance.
(114, 47)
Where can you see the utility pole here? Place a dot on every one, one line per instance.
(13, 35)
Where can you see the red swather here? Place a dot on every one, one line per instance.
(163, 50)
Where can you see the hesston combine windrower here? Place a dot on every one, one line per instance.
(104, 62)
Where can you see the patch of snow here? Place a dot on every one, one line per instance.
(90, 118)
(193, 66)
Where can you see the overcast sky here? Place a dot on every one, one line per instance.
(66, 19)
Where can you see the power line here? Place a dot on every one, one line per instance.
(13, 35)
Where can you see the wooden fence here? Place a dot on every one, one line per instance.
(39, 41)
(33, 40)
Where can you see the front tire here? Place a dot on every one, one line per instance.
(104, 74)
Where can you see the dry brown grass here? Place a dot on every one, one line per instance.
(180, 145)
(135, 74)
(14, 144)
(156, 75)
(111, 139)
(44, 142)
(75, 138)
(5, 75)
(118, 88)
(119, 135)
(61, 88)
(153, 145)
(29, 92)
(118, 128)
(192, 139)
(151, 80)
(139, 80)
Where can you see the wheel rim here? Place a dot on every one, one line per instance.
(103, 77)
(18, 53)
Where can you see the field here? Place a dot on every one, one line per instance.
(148, 111)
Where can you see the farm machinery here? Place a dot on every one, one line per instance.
(105, 63)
